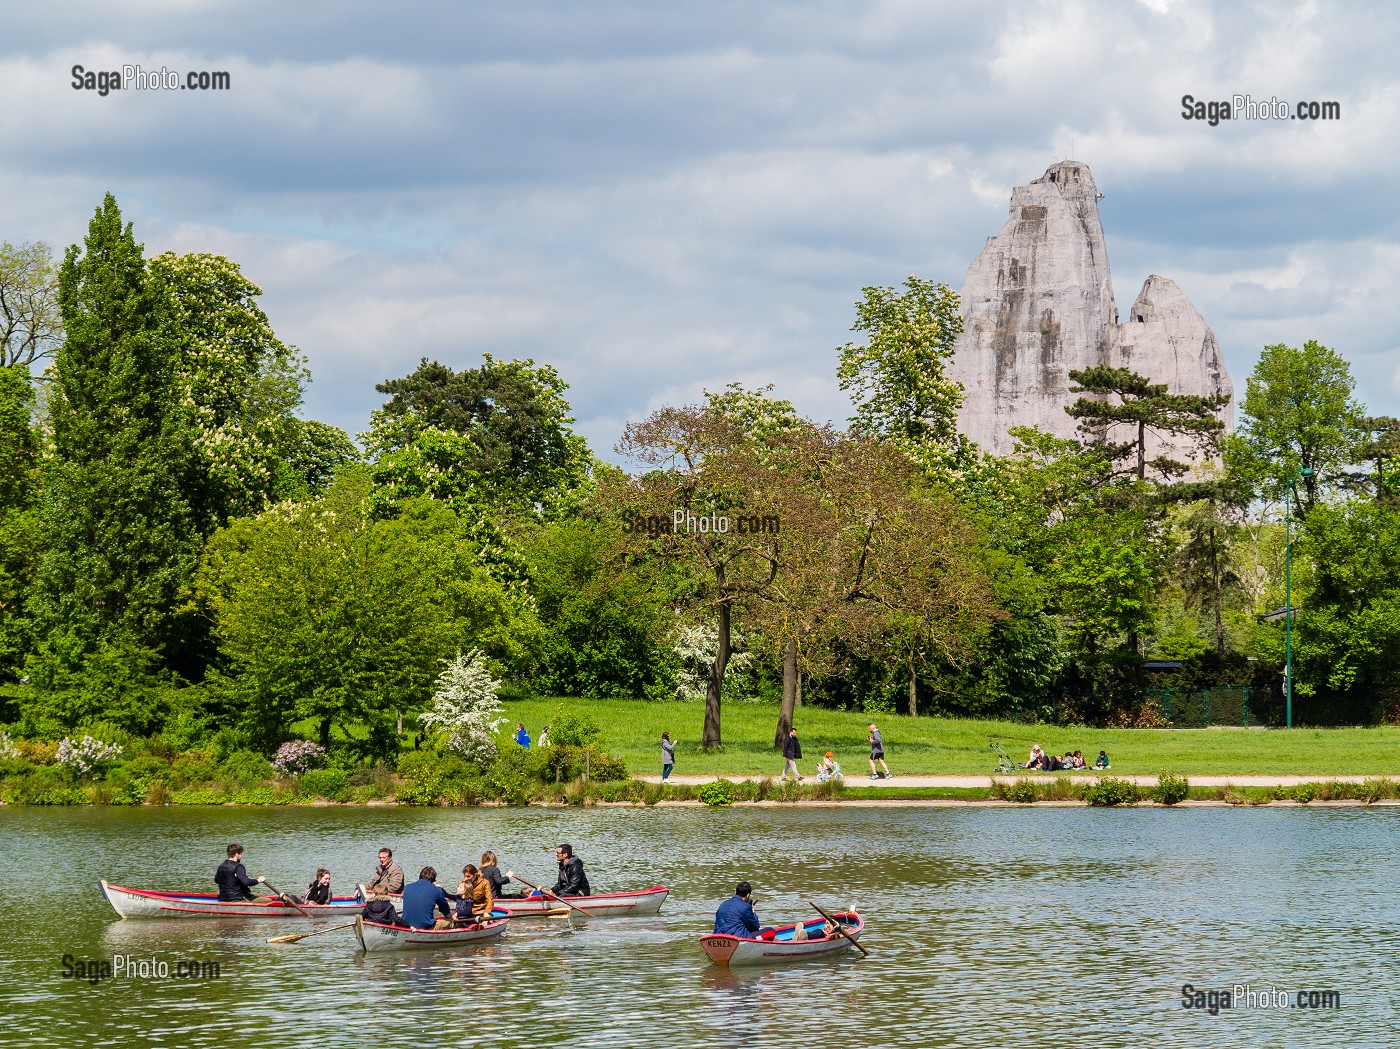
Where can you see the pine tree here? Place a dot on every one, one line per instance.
(1146, 407)
(119, 541)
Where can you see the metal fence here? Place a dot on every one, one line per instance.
(1204, 707)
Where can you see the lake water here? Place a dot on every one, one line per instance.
(987, 927)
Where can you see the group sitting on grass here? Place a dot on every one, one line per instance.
(1040, 761)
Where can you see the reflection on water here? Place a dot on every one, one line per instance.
(985, 926)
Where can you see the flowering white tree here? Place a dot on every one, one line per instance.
(695, 646)
(466, 704)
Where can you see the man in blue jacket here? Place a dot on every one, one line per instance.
(736, 917)
(421, 898)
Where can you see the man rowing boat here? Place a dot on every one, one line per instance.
(232, 879)
(572, 881)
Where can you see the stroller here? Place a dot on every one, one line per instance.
(1005, 766)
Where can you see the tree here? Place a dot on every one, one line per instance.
(513, 412)
(1203, 559)
(19, 492)
(1144, 408)
(119, 536)
(1298, 413)
(702, 469)
(237, 383)
(466, 702)
(897, 380)
(322, 614)
(1347, 634)
(31, 322)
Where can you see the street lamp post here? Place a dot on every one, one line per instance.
(1288, 593)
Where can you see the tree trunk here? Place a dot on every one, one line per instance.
(1142, 451)
(710, 736)
(1218, 598)
(790, 687)
(913, 687)
(326, 733)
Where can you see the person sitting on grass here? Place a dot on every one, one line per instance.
(1037, 759)
(1078, 761)
(1102, 762)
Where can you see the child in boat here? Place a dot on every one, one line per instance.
(319, 891)
(498, 881)
(474, 901)
(381, 910)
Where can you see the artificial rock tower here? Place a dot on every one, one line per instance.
(1038, 304)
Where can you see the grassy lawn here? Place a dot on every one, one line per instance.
(939, 746)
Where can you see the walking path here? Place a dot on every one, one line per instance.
(986, 781)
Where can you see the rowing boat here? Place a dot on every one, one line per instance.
(375, 937)
(724, 949)
(604, 905)
(148, 903)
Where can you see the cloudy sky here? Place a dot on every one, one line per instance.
(660, 198)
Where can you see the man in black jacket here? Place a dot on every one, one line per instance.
(232, 879)
(572, 881)
(792, 751)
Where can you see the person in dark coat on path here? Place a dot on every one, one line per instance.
(792, 753)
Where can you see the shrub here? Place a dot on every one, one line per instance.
(1021, 791)
(8, 750)
(570, 728)
(197, 796)
(196, 766)
(1233, 797)
(297, 756)
(85, 756)
(1373, 790)
(247, 766)
(1170, 789)
(1111, 790)
(720, 792)
(828, 791)
(763, 789)
(326, 783)
(1303, 793)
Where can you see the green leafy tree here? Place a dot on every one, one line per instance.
(31, 323)
(238, 384)
(898, 379)
(1347, 634)
(1143, 408)
(513, 412)
(314, 452)
(1298, 412)
(119, 537)
(19, 493)
(323, 614)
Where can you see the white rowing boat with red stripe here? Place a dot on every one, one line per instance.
(150, 903)
(603, 905)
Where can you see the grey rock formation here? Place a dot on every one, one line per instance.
(1038, 303)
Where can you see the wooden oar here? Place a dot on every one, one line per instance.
(841, 929)
(284, 897)
(546, 892)
(294, 937)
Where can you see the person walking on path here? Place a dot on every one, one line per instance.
(792, 753)
(668, 756)
(877, 753)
